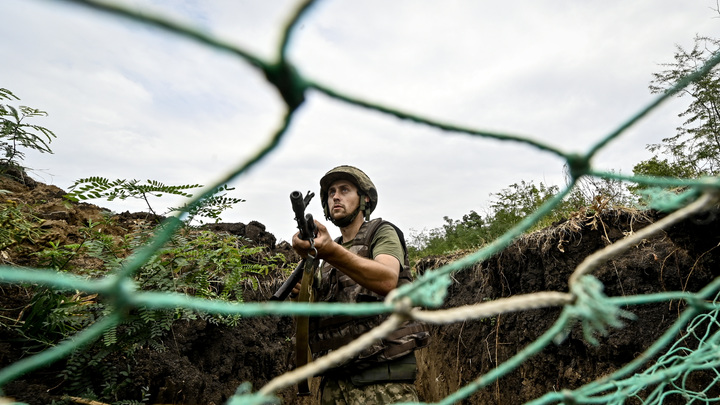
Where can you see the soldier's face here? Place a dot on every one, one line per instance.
(343, 199)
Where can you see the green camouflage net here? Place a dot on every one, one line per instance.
(585, 303)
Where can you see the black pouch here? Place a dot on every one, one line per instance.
(402, 369)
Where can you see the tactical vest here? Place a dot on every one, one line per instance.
(331, 332)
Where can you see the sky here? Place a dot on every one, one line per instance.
(128, 101)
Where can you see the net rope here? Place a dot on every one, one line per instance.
(584, 303)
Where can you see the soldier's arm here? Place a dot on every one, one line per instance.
(379, 275)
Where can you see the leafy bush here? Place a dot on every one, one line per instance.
(694, 151)
(195, 262)
(16, 133)
(510, 206)
(16, 225)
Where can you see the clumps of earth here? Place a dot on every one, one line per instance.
(205, 362)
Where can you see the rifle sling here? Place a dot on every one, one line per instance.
(302, 347)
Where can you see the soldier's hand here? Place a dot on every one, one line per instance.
(322, 242)
(295, 291)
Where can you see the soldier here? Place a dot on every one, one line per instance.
(364, 264)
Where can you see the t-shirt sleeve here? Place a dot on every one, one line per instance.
(387, 241)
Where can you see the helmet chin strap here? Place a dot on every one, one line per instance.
(347, 220)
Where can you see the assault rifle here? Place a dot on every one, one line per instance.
(307, 228)
(303, 274)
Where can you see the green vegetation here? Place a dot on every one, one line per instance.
(16, 134)
(509, 206)
(195, 262)
(101, 187)
(695, 150)
(16, 225)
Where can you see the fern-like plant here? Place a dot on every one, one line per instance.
(101, 187)
(16, 133)
(210, 207)
(16, 225)
(195, 262)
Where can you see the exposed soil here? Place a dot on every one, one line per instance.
(682, 259)
(205, 363)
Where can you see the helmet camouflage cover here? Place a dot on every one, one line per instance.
(359, 179)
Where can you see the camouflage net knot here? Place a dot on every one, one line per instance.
(578, 165)
(429, 291)
(288, 82)
(244, 396)
(594, 309)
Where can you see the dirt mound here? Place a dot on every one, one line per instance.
(205, 362)
(544, 261)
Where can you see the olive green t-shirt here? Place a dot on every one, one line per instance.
(385, 241)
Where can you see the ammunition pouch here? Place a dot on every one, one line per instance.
(402, 369)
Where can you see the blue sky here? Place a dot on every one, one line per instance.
(127, 101)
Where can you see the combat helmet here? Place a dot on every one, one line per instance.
(360, 180)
